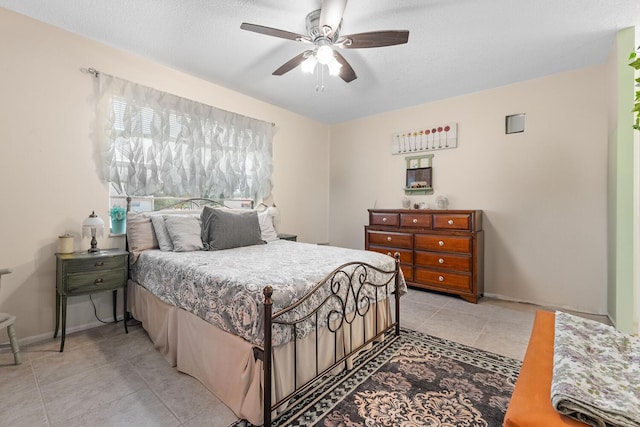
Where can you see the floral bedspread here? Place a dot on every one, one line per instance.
(225, 287)
(596, 373)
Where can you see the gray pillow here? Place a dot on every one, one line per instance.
(162, 234)
(226, 229)
(184, 232)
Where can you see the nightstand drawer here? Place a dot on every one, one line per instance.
(95, 281)
(98, 264)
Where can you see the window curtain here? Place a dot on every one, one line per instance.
(158, 144)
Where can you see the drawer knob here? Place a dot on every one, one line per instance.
(415, 220)
(99, 264)
(384, 219)
(440, 278)
(98, 281)
(450, 222)
(441, 243)
(441, 261)
(388, 238)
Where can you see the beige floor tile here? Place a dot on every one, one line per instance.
(57, 366)
(85, 392)
(462, 336)
(23, 408)
(446, 318)
(420, 295)
(141, 409)
(217, 415)
(503, 345)
(16, 379)
(415, 314)
(183, 394)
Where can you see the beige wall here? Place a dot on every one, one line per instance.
(543, 192)
(48, 177)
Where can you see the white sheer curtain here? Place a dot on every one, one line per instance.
(158, 144)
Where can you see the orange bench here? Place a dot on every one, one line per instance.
(531, 401)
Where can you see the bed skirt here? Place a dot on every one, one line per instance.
(217, 358)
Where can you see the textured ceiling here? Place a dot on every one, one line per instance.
(455, 46)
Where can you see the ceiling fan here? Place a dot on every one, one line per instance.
(323, 31)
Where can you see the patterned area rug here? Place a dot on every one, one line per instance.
(412, 380)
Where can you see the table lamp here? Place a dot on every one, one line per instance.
(90, 227)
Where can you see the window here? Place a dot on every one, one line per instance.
(158, 146)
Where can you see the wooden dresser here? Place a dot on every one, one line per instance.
(442, 250)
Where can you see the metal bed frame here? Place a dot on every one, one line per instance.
(344, 288)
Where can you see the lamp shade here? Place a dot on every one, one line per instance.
(91, 227)
(92, 222)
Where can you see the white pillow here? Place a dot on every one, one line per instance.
(266, 226)
(162, 234)
(185, 232)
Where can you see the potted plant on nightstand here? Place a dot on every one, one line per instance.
(118, 215)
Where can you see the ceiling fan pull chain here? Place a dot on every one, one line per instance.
(320, 78)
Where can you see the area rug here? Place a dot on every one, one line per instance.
(411, 380)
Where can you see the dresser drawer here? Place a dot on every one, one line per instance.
(451, 221)
(444, 261)
(96, 281)
(380, 218)
(444, 279)
(406, 256)
(407, 272)
(397, 240)
(421, 220)
(98, 264)
(435, 242)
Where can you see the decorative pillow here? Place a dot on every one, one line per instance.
(140, 234)
(266, 226)
(225, 228)
(184, 232)
(162, 234)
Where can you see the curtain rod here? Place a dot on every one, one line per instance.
(95, 73)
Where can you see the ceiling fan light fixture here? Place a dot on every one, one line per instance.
(324, 53)
(334, 67)
(309, 64)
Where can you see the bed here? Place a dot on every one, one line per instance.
(274, 319)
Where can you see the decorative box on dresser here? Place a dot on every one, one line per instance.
(441, 250)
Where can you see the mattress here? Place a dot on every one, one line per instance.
(225, 288)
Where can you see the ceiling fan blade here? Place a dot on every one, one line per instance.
(292, 63)
(331, 15)
(374, 39)
(274, 32)
(346, 72)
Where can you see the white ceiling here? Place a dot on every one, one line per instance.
(455, 46)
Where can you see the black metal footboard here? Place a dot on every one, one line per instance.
(346, 295)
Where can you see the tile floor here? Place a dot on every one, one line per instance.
(107, 378)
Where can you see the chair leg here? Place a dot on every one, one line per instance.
(17, 358)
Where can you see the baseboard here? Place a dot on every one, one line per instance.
(48, 335)
(545, 305)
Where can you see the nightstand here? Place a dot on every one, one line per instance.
(292, 237)
(83, 273)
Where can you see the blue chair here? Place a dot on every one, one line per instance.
(6, 321)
